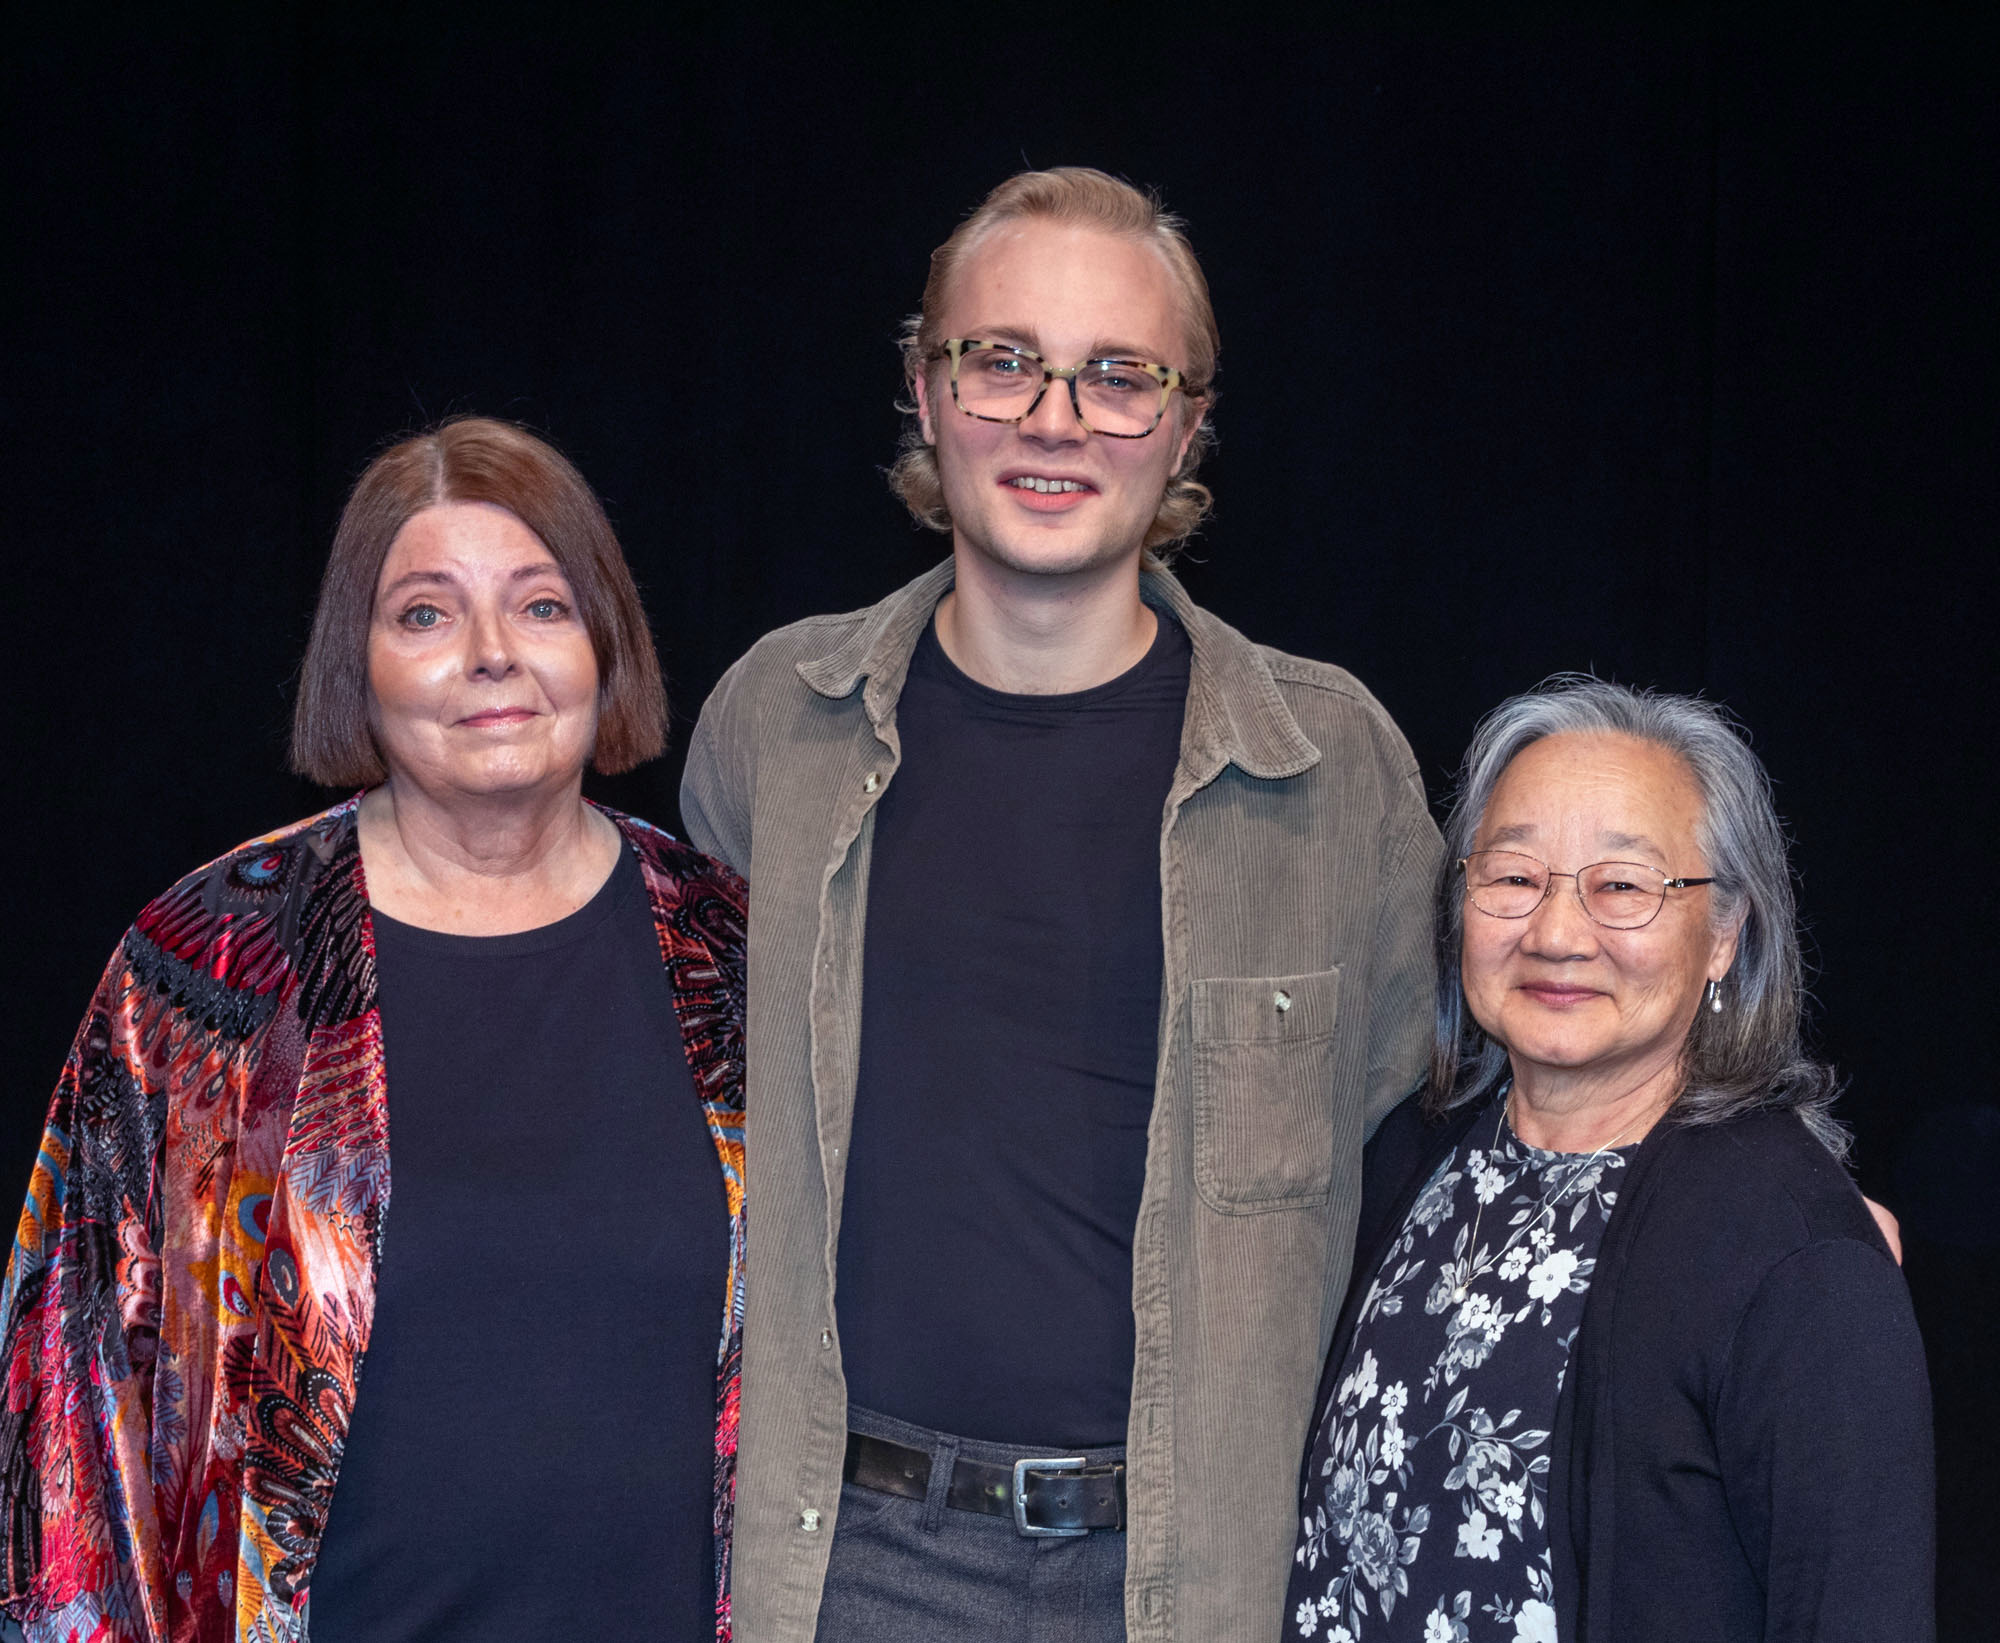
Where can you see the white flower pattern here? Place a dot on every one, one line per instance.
(1476, 1540)
(1550, 1276)
(1534, 1622)
(1442, 1411)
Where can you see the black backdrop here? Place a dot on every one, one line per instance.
(1687, 321)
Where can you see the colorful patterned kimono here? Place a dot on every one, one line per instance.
(188, 1303)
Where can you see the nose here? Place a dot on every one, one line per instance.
(1054, 420)
(490, 653)
(1559, 927)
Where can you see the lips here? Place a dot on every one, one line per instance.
(497, 716)
(1557, 995)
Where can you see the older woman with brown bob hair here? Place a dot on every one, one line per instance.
(544, 1441)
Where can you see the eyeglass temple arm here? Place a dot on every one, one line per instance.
(1671, 884)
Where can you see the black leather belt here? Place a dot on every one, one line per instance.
(1043, 1494)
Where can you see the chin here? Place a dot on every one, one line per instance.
(1048, 553)
(1556, 1058)
(1558, 1054)
(498, 778)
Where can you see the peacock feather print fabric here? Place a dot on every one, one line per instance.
(188, 1303)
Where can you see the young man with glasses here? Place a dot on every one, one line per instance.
(1088, 940)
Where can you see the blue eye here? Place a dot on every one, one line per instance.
(421, 617)
(547, 610)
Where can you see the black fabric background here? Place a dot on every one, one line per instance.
(1686, 315)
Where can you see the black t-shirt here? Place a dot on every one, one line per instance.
(532, 1450)
(1009, 1039)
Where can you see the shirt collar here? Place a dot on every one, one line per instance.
(1235, 713)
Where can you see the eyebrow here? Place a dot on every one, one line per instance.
(1632, 841)
(1018, 336)
(439, 578)
(1523, 832)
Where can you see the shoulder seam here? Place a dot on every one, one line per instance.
(1302, 670)
(1809, 1246)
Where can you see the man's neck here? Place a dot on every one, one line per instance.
(1044, 635)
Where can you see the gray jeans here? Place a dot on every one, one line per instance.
(918, 1571)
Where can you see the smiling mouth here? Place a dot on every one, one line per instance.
(499, 716)
(1046, 487)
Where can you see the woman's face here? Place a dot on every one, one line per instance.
(1568, 998)
(482, 676)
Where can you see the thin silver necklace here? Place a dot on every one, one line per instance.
(1550, 1199)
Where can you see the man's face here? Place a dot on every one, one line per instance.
(1068, 293)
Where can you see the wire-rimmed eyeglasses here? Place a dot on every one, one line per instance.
(1620, 895)
(1119, 398)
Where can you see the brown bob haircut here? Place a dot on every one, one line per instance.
(473, 459)
(1072, 195)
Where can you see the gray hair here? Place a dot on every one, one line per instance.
(1750, 1055)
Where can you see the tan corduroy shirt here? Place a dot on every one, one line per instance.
(1296, 864)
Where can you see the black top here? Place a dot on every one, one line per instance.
(1009, 1036)
(1427, 1486)
(532, 1451)
(1742, 1447)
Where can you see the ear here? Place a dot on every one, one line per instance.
(1723, 953)
(1187, 434)
(920, 385)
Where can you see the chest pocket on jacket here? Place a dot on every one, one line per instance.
(1264, 1090)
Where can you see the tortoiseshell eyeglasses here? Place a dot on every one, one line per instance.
(1119, 398)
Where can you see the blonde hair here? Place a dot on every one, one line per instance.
(1071, 194)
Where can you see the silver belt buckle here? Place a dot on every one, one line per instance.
(1055, 1463)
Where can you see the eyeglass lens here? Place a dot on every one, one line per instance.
(1621, 895)
(1111, 396)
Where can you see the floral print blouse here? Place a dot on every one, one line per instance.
(1425, 1509)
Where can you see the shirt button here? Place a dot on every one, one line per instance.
(809, 1520)
(825, 1339)
(870, 782)
(1282, 999)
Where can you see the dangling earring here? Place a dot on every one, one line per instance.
(1715, 997)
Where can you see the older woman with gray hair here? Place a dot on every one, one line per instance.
(1625, 1355)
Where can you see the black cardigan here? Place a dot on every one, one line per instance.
(1742, 1449)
